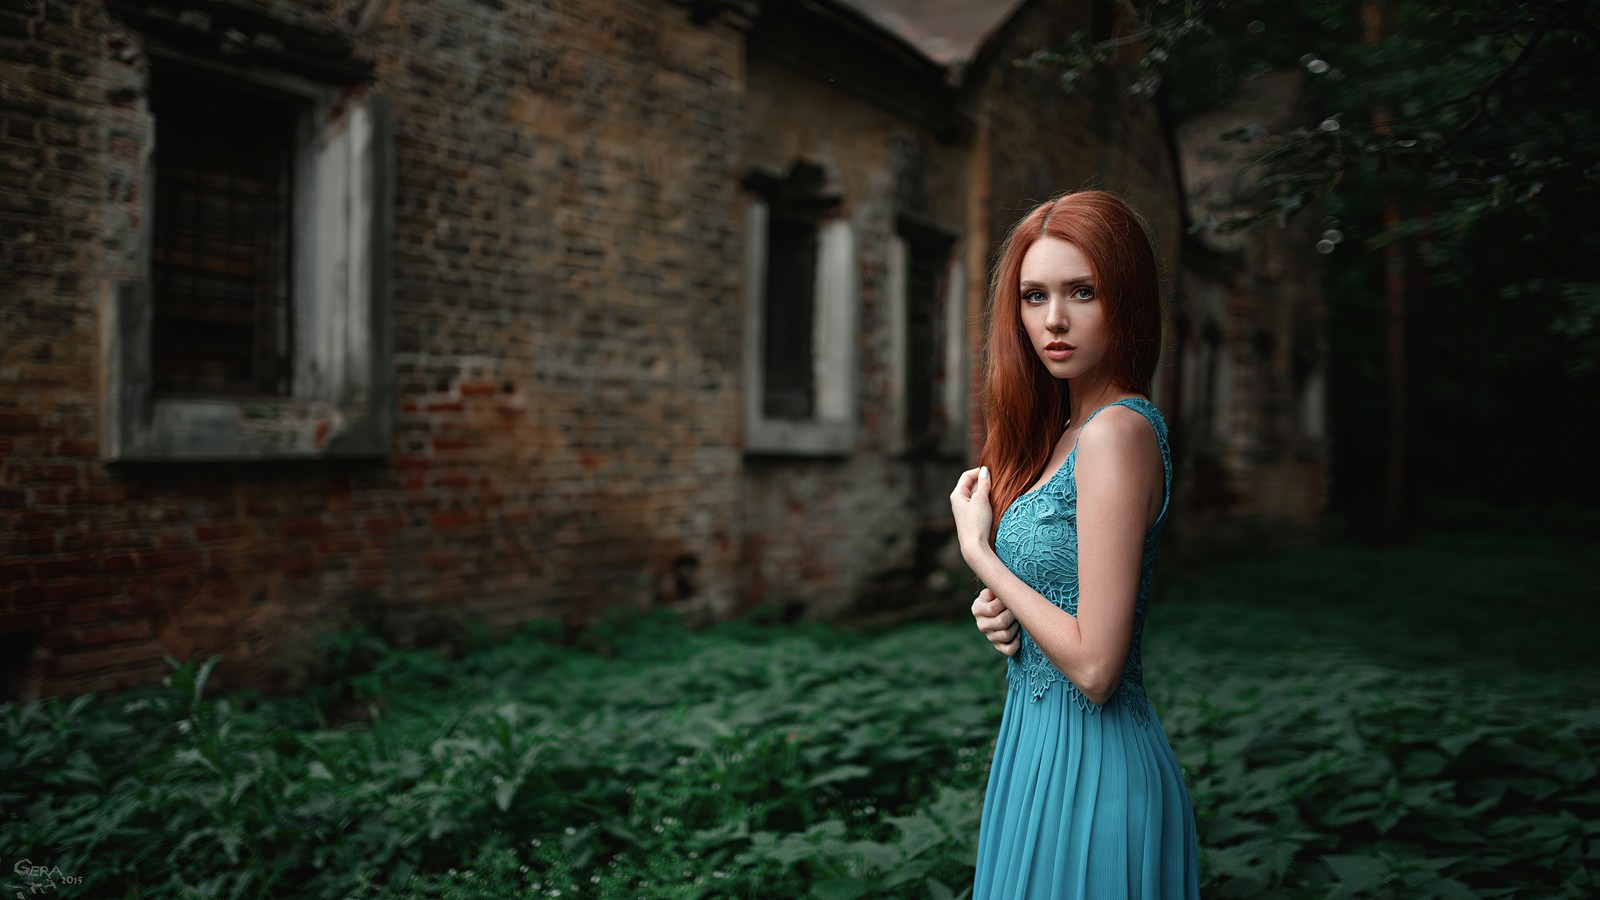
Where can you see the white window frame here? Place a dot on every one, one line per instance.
(340, 402)
(953, 393)
(831, 431)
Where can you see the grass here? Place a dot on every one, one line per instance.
(1352, 723)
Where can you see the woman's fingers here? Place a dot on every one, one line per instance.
(997, 623)
(1002, 635)
(1002, 619)
(964, 485)
(988, 605)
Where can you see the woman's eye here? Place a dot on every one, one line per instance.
(1034, 296)
(1083, 293)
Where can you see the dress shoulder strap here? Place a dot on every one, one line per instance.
(1158, 423)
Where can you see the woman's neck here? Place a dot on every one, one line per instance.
(1088, 394)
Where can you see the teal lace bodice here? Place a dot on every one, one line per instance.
(1038, 540)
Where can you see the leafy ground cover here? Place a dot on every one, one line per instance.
(1352, 723)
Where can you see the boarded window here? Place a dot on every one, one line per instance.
(789, 383)
(220, 238)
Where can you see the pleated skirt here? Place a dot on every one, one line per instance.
(1084, 804)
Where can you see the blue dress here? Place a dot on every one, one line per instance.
(1084, 801)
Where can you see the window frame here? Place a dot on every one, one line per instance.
(947, 438)
(831, 430)
(340, 398)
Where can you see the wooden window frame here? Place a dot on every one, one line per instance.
(945, 434)
(831, 428)
(339, 401)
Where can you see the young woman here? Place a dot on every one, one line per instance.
(1085, 797)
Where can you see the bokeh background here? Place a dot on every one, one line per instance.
(486, 448)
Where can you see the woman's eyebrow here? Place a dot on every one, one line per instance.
(1081, 279)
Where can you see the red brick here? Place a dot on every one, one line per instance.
(447, 559)
(70, 447)
(169, 559)
(407, 463)
(338, 546)
(41, 520)
(18, 423)
(446, 443)
(106, 658)
(206, 531)
(448, 593)
(84, 496)
(300, 566)
(84, 591)
(453, 519)
(64, 567)
(478, 389)
(15, 572)
(40, 543)
(79, 541)
(370, 581)
(113, 632)
(30, 596)
(453, 481)
(450, 406)
(304, 526)
(381, 524)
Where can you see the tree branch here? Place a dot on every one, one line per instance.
(1488, 89)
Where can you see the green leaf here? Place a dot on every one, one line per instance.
(1359, 873)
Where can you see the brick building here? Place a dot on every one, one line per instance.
(1250, 374)
(409, 312)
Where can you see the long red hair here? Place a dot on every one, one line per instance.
(1023, 405)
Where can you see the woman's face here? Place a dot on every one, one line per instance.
(1061, 308)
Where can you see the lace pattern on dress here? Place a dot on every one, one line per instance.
(1038, 540)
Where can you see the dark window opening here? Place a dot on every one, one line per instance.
(928, 249)
(790, 384)
(925, 375)
(220, 246)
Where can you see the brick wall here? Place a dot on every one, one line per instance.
(1255, 349)
(566, 356)
(830, 534)
(567, 310)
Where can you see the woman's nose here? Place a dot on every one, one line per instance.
(1056, 316)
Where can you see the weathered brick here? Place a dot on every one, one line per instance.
(303, 526)
(453, 519)
(62, 567)
(568, 355)
(112, 633)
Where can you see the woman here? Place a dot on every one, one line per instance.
(1085, 797)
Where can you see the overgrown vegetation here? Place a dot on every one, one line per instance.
(763, 761)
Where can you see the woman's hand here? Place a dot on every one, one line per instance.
(969, 502)
(996, 622)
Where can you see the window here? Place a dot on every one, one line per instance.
(800, 323)
(927, 290)
(220, 256)
(253, 321)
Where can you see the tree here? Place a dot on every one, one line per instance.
(1454, 149)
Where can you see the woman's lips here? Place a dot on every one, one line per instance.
(1058, 350)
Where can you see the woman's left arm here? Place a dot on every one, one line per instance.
(1119, 483)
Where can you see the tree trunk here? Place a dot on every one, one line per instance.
(1394, 519)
